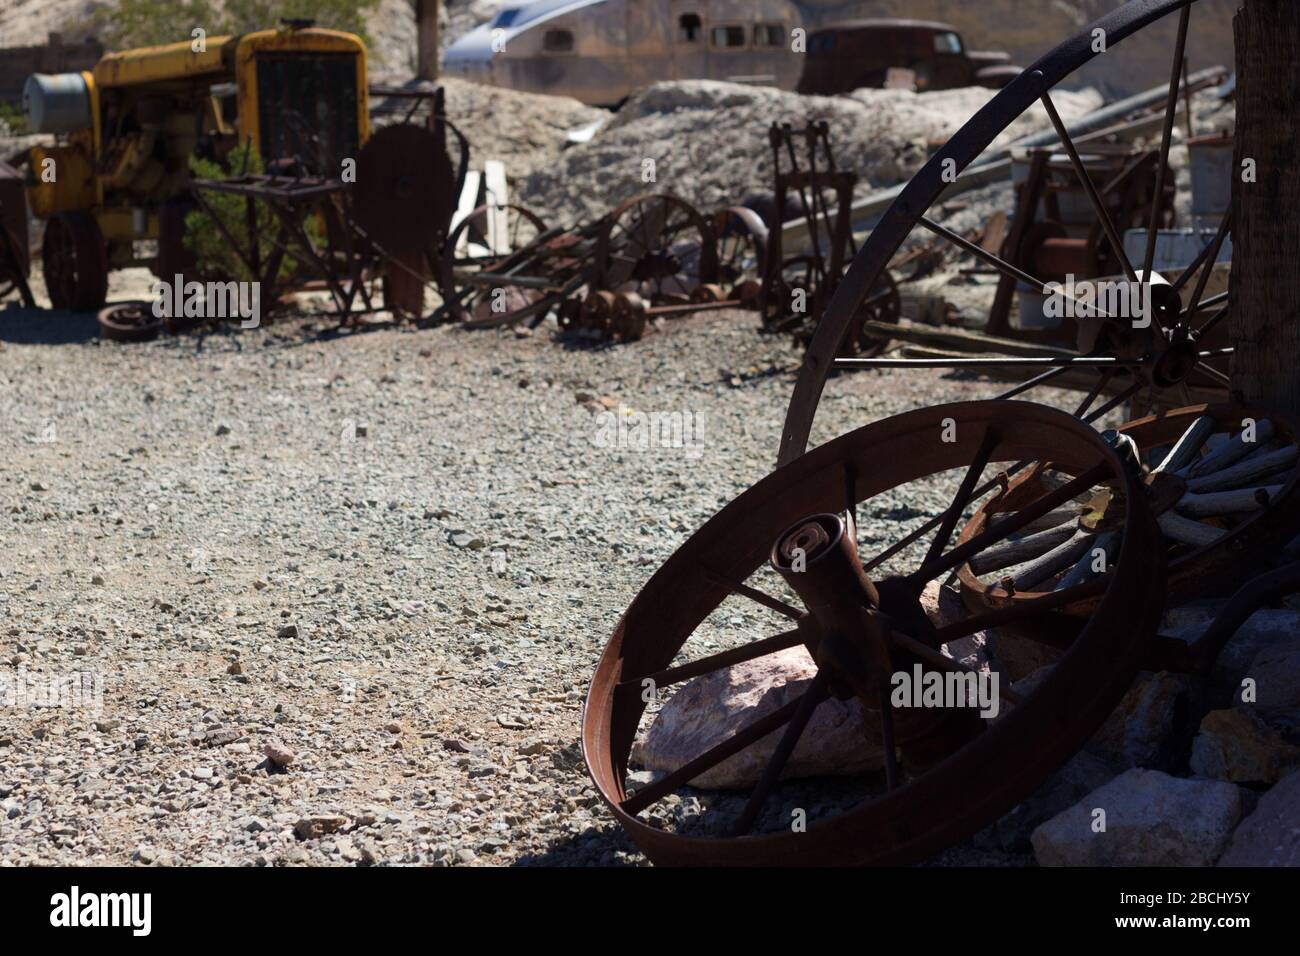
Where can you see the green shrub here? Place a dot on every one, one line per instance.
(128, 24)
(12, 118)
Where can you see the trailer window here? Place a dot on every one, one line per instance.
(689, 26)
(557, 41)
(947, 43)
(769, 35)
(728, 38)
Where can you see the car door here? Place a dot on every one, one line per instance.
(950, 68)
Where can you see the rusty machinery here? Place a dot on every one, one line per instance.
(1183, 503)
(654, 256)
(797, 287)
(15, 261)
(116, 189)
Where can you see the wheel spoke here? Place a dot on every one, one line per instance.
(887, 738)
(1166, 139)
(712, 757)
(1098, 207)
(1203, 265)
(815, 694)
(1011, 524)
(931, 656)
(1034, 382)
(1209, 303)
(757, 596)
(998, 617)
(1215, 374)
(714, 662)
(964, 492)
(1213, 320)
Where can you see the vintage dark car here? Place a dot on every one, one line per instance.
(853, 54)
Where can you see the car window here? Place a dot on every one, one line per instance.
(557, 41)
(728, 37)
(769, 35)
(689, 28)
(947, 43)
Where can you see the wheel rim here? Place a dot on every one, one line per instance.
(974, 783)
(925, 189)
(659, 247)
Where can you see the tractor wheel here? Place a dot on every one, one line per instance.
(75, 259)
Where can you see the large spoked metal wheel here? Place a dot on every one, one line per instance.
(657, 246)
(75, 260)
(1125, 360)
(790, 544)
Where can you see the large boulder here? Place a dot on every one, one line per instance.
(1264, 637)
(1271, 835)
(709, 709)
(1081, 775)
(1245, 745)
(1149, 819)
(1276, 672)
(1150, 727)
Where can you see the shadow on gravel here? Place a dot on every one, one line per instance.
(45, 326)
(608, 846)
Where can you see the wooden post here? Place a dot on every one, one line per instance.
(1265, 285)
(426, 26)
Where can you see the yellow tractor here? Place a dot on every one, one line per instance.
(114, 191)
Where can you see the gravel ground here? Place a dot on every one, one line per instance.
(395, 553)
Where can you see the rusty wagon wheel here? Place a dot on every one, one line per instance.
(1175, 347)
(657, 246)
(75, 259)
(944, 775)
(1220, 480)
(472, 245)
(129, 322)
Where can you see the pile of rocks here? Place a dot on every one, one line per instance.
(1187, 771)
(707, 142)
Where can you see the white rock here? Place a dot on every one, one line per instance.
(711, 708)
(1150, 819)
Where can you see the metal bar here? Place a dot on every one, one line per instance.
(1046, 361)
(1098, 207)
(711, 758)
(1166, 140)
(706, 665)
